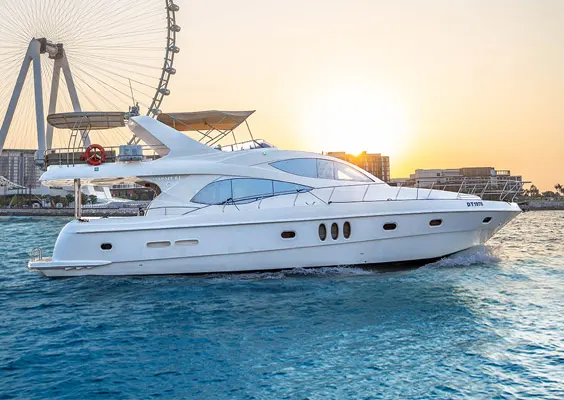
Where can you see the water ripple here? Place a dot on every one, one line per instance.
(485, 323)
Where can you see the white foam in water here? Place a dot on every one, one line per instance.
(248, 276)
(475, 255)
(325, 271)
(294, 272)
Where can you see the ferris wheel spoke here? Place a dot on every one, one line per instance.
(113, 20)
(101, 96)
(137, 73)
(141, 21)
(113, 48)
(91, 70)
(106, 86)
(129, 48)
(114, 91)
(122, 82)
(132, 63)
(106, 14)
(17, 15)
(126, 78)
(85, 95)
(132, 34)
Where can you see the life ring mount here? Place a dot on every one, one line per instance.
(95, 154)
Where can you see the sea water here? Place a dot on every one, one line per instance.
(486, 323)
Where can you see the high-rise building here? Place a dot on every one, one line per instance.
(18, 166)
(376, 164)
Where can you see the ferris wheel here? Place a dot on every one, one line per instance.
(81, 55)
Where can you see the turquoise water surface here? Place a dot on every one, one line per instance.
(487, 323)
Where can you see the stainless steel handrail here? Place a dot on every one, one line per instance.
(67, 156)
(514, 189)
(36, 254)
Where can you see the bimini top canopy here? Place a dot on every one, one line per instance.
(87, 120)
(205, 120)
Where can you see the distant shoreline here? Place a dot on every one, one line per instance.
(542, 205)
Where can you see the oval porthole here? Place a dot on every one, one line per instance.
(322, 232)
(106, 246)
(334, 231)
(486, 220)
(436, 222)
(390, 226)
(347, 230)
(288, 235)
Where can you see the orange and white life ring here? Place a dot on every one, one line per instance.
(95, 154)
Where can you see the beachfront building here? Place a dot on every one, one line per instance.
(434, 177)
(376, 164)
(467, 179)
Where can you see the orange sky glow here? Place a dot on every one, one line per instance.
(433, 84)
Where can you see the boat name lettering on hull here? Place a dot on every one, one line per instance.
(167, 178)
(474, 204)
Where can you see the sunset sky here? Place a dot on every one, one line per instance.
(432, 84)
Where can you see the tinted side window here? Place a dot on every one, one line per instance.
(345, 173)
(320, 168)
(300, 166)
(251, 189)
(215, 193)
(244, 190)
(325, 169)
(286, 187)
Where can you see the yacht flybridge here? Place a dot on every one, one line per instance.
(246, 207)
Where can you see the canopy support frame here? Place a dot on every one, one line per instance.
(205, 123)
(77, 199)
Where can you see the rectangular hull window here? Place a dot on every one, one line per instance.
(158, 244)
(187, 242)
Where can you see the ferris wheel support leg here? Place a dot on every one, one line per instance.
(72, 93)
(15, 95)
(53, 100)
(39, 115)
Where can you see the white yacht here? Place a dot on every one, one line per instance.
(247, 207)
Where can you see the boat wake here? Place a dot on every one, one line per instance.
(328, 271)
(295, 273)
(476, 255)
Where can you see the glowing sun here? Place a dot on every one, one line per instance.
(356, 119)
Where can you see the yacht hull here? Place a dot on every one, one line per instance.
(188, 245)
